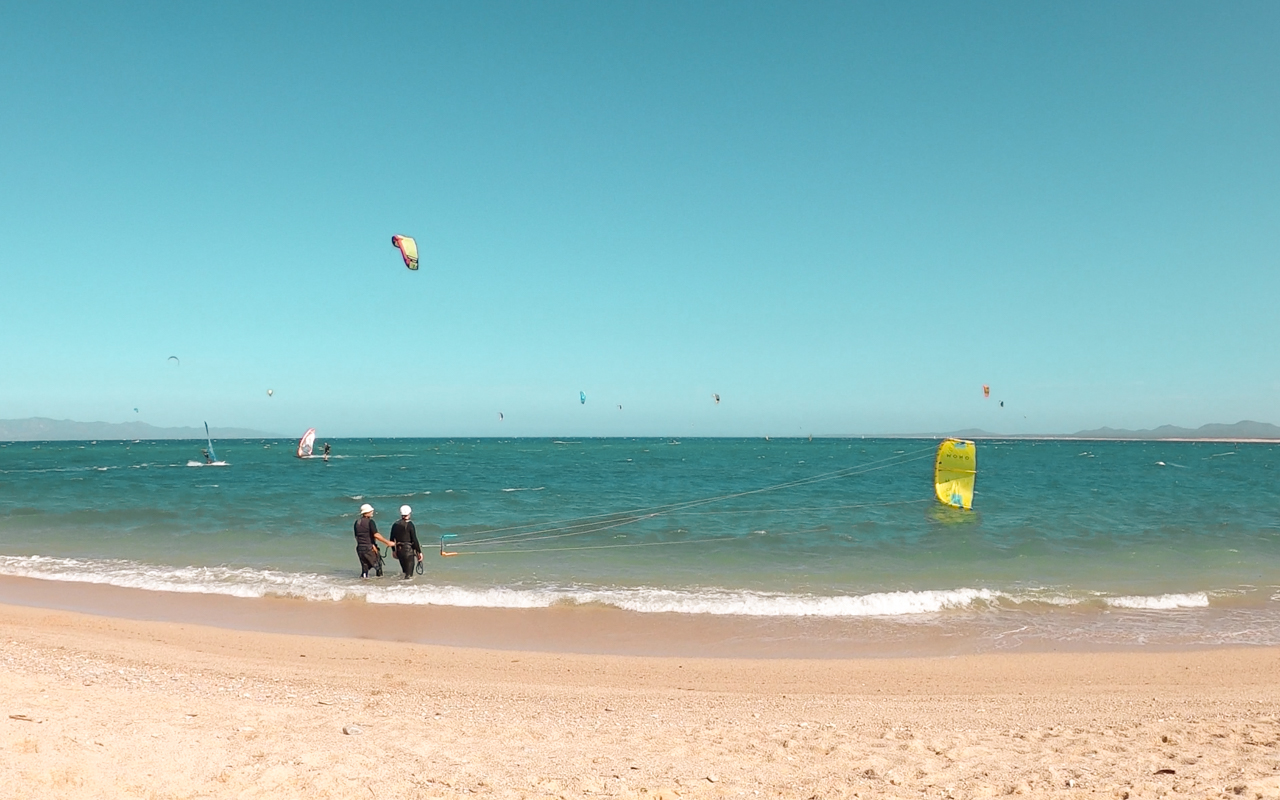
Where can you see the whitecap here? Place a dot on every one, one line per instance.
(1162, 602)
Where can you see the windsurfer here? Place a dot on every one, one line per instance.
(305, 444)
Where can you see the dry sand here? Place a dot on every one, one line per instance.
(102, 707)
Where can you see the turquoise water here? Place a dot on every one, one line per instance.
(1106, 541)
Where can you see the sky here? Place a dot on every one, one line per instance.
(842, 218)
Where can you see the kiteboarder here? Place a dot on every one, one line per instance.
(326, 451)
(367, 538)
(205, 453)
(407, 549)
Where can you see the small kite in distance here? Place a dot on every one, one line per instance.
(619, 406)
(716, 397)
(271, 392)
(175, 358)
(500, 417)
(1002, 404)
(582, 398)
(135, 411)
(986, 390)
(408, 250)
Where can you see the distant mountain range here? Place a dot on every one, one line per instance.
(40, 429)
(1243, 430)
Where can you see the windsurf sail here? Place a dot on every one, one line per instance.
(408, 250)
(954, 472)
(212, 455)
(307, 443)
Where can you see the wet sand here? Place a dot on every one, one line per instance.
(112, 707)
(607, 630)
(598, 630)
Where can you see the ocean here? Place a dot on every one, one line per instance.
(1094, 543)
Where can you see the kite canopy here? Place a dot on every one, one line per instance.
(986, 390)
(306, 443)
(408, 250)
(582, 397)
(954, 472)
(716, 397)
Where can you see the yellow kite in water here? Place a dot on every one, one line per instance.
(954, 471)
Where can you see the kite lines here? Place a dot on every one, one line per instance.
(556, 535)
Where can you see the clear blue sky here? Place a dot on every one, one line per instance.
(843, 218)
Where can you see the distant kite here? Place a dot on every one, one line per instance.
(408, 250)
(619, 406)
(986, 390)
(270, 392)
(175, 358)
(500, 417)
(716, 397)
(1002, 404)
(135, 411)
(582, 398)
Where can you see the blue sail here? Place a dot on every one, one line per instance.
(212, 455)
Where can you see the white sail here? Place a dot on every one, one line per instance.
(306, 443)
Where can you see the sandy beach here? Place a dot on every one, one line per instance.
(110, 707)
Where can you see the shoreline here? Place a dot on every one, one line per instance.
(101, 706)
(573, 629)
(587, 629)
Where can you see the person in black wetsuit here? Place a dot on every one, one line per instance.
(406, 538)
(367, 538)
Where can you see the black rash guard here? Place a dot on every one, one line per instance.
(365, 529)
(403, 532)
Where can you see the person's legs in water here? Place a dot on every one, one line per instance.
(369, 561)
(408, 559)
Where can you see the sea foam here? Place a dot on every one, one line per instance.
(1163, 602)
(250, 583)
